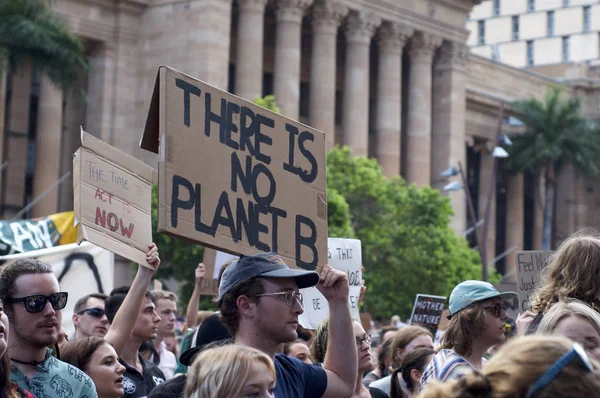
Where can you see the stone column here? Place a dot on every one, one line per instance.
(360, 27)
(326, 18)
(48, 139)
(249, 57)
(448, 123)
(485, 178)
(287, 55)
(391, 39)
(418, 135)
(514, 223)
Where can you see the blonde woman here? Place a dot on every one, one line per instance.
(577, 321)
(530, 367)
(477, 321)
(573, 272)
(233, 371)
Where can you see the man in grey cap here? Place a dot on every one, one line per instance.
(260, 302)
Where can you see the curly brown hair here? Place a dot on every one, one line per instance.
(573, 272)
(463, 328)
(230, 314)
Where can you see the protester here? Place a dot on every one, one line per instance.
(477, 323)
(529, 367)
(573, 272)
(166, 307)
(365, 362)
(98, 357)
(411, 371)
(404, 342)
(32, 298)
(233, 371)
(575, 320)
(297, 349)
(211, 333)
(171, 343)
(89, 317)
(260, 304)
(382, 368)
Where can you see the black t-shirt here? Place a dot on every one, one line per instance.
(296, 379)
(377, 393)
(173, 388)
(138, 385)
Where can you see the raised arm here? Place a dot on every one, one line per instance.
(341, 362)
(127, 315)
(192, 308)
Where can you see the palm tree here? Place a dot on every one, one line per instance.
(31, 32)
(555, 135)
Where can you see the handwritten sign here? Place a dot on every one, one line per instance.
(113, 194)
(511, 303)
(344, 255)
(529, 267)
(427, 311)
(213, 261)
(234, 176)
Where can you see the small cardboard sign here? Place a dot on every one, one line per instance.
(213, 261)
(529, 267)
(113, 193)
(427, 311)
(235, 176)
(511, 304)
(344, 255)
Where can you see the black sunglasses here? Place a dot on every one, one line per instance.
(36, 303)
(95, 312)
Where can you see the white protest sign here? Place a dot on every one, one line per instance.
(529, 266)
(344, 255)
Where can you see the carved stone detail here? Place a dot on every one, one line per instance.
(452, 55)
(423, 45)
(360, 26)
(291, 10)
(327, 14)
(392, 37)
(257, 6)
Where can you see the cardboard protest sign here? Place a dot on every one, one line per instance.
(25, 235)
(80, 270)
(511, 304)
(113, 193)
(234, 176)
(344, 255)
(427, 311)
(529, 267)
(213, 261)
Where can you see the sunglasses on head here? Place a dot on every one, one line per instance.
(95, 312)
(37, 302)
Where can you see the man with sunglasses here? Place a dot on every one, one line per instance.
(33, 301)
(260, 302)
(89, 317)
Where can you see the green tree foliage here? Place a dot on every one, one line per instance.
(268, 101)
(407, 244)
(339, 222)
(30, 31)
(555, 135)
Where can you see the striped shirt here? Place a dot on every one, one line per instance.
(446, 365)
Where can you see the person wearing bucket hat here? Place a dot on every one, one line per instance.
(477, 322)
(260, 301)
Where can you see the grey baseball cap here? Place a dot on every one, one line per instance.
(266, 265)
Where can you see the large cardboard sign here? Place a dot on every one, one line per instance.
(80, 269)
(35, 234)
(427, 311)
(234, 176)
(529, 267)
(344, 255)
(213, 261)
(113, 193)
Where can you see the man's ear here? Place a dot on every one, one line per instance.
(75, 320)
(246, 306)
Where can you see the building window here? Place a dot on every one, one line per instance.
(481, 32)
(565, 48)
(586, 18)
(515, 27)
(566, 3)
(550, 23)
(495, 53)
(496, 8)
(530, 59)
(530, 5)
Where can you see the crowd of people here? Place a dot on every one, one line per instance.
(125, 342)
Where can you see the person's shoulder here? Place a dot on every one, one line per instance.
(171, 388)
(383, 382)
(376, 392)
(152, 369)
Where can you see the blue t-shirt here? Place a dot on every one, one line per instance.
(296, 379)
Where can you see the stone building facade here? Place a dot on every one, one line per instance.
(391, 79)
